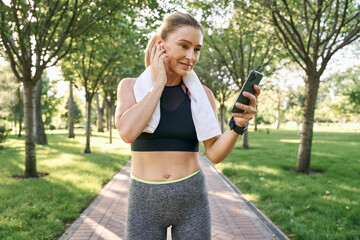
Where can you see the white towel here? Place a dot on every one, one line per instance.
(205, 121)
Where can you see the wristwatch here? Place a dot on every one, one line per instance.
(239, 130)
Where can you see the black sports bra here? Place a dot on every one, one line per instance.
(176, 130)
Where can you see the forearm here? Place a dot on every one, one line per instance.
(134, 120)
(218, 149)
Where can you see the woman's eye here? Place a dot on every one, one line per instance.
(197, 49)
(183, 46)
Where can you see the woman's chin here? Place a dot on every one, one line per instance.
(184, 71)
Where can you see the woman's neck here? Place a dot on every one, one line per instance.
(173, 79)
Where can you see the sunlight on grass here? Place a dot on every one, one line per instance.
(348, 188)
(252, 197)
(290, 140)
(324, 154)
(340, 200)
(41, 208)
(317, 206)
(238, 168)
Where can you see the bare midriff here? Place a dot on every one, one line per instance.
(163, 166)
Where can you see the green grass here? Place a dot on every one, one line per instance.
(43, 208)
(318, 206)
(299, 204)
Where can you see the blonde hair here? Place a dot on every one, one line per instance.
(169, 25)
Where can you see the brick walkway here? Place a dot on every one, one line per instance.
(233, 217)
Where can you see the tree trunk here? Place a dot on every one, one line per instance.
(278, 117)
(304, 153)
(100, 111)
(255, 122)
(222, 116)
(245, 140)
(278, 105)
(88, 125)
(71, 111)
(29, 115)
(109, 111)
(108, 115)
(40, 129)
(297, 127)
(21, 111)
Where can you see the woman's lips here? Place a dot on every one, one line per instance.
(186, 65)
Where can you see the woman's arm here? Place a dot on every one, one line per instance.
(217, 148)
(131, 118)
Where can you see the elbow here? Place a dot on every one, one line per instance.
(125, 134)
(127, 139)
(214, 158)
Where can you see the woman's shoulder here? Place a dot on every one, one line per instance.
(210, 96)
(208, 92)
(127, 83)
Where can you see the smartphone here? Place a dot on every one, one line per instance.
(254, 78)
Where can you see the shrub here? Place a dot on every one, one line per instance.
(3, 134)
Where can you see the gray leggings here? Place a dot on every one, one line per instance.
(183, 205)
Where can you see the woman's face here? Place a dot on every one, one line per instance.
(183, 48)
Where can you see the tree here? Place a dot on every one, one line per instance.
(129, 64)
(18, 110)
(36, 35)
(312, 32)
(100, 112)
(295, 105)
(245, 44)
(49, 100)
(352, 88)
(40, 135)
(8, 89)
(77, 114)
(3, 135)
(342, 92)
(127, 37)
(71, 111)
(217, 78)
(92, 56)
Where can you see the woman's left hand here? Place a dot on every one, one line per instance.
(250, 110)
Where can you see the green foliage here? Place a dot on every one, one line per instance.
(243, 43)
(316, 206)
(8, 90)
(78, 114)
(3, 135)
(338, 98)
(49, 101)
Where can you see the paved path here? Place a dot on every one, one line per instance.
(233, 217)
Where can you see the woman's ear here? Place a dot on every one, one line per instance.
(158, 40)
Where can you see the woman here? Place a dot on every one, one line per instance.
(167, 187)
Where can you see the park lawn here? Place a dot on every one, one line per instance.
(43, 208)
(317, 206)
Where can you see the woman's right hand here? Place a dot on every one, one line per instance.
(157, 64)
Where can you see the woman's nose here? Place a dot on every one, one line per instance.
(190, 54)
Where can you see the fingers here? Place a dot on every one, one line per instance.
(248, 109)
(257, 90)
(252, 98)
(157, 54)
